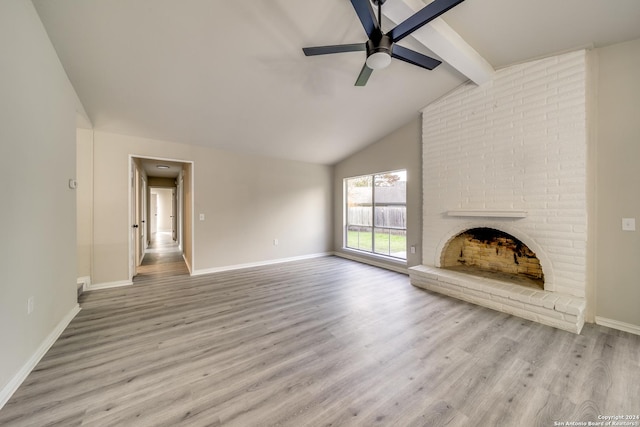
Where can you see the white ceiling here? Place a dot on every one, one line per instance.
(232, 75)
(168, 168)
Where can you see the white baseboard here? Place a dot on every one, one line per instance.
(615, 324)
(8, 390)
(397, 268)
(257, 264)
(109, 285)
(84, 283)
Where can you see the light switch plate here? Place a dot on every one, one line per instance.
(629, 224)
(201, 217)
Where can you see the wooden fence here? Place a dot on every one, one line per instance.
(385, 216)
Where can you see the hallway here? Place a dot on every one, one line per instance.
(162, 258)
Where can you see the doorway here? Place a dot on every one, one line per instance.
(164, 213)
(161, 214)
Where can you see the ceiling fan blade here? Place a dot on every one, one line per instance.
(421, 18)
(340, 48)
(365, 73)
(367, 17)
(413, 57)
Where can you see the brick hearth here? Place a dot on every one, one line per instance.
(550, 308)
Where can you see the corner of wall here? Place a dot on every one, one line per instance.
(592, 183)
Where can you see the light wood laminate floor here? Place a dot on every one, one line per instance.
(321, 342)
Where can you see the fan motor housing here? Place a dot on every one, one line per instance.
(384, 45)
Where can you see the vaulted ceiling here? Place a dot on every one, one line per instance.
(232, 75)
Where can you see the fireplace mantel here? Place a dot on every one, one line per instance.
(486, 213)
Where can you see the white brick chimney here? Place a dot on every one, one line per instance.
(511, 155)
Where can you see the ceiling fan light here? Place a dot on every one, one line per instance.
(378, 60)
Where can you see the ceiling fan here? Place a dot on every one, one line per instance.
(381, 47)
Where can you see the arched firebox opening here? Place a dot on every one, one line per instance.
(491, 253)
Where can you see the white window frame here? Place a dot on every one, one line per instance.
(346, 223)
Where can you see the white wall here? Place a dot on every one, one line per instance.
(84, 200)
(618, 185)
(247, 200)
(37, 157)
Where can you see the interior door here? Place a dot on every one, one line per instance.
(142, 232)
(174, 222)
(153, 218)
(134, 224)
(138, 227)
(180, 213)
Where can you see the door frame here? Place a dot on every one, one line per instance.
(133, 235)
(142, 216)
(132, 206)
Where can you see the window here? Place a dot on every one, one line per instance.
(376, 214)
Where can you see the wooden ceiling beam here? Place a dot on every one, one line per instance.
(441, 39)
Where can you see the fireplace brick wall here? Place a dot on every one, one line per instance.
(518, 142)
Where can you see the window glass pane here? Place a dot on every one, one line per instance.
(391, 242)
(359, 213)
(359, 237)
(390, 214)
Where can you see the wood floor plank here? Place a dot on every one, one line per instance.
(324, 341)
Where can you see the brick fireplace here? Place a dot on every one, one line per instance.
(510, 156)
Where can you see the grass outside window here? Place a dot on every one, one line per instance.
(386, 243)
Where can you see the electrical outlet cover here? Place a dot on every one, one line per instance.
(629, 224)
